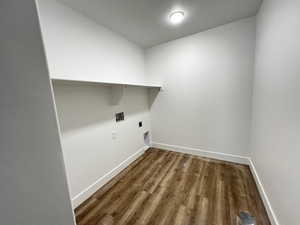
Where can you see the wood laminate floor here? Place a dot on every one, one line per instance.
(169, 188)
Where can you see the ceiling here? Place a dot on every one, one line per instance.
(145, 21)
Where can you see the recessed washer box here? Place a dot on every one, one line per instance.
(120, 116)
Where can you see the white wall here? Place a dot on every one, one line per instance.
(207, 80)
(276, 106)
(33, 189)
(78, 48)
(87, 123)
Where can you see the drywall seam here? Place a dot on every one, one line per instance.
(203, 153)
(263, 194)
(90, 190)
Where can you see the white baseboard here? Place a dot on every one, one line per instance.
(86, 193)
(90, 190)
(203, 153)
(230, 158)
(263, 194)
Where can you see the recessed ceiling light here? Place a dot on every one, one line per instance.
(176, 17)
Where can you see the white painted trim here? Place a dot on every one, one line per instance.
(203, 153)
(263, 194)
(90, 190)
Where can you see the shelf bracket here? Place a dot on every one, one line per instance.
(152, 94)
(117, 92)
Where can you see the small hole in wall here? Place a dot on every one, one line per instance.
(147, 138)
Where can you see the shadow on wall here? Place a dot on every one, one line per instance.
(84, 105)
(153, 92)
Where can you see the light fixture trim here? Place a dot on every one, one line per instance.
(176, 17)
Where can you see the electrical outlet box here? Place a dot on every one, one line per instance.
(120, 116)
(140, 124)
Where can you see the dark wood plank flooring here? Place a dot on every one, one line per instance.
(169, 188)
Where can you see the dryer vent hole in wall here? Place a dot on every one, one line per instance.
(120, 116)
(147, 138)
